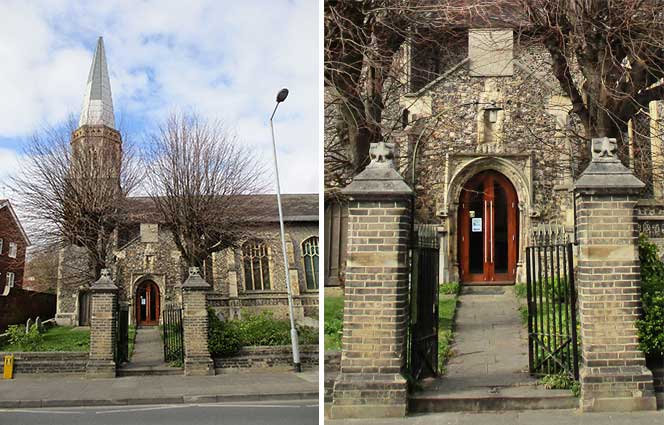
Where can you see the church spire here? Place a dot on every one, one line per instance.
(98, 103)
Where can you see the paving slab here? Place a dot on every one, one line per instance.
(488, 369)
(79, 391)
(538, 417)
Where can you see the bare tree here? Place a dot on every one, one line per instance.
(41, 270)
(608, 56)
(70, 195)
(198, 174)
(377, 50)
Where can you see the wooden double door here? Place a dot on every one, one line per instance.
(488, 230)
(147, 304)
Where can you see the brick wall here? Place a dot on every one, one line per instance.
(21, 305)
(375, 312)
(48, 362)
(332, 362)
(10, 232)
(614, 376)
(268, 357)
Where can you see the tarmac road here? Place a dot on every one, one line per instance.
(303, 412)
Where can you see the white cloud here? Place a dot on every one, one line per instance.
(224, 59)
(9, 165)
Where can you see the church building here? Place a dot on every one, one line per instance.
(146, 264)
(483, 134)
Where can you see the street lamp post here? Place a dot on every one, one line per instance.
(281, 96)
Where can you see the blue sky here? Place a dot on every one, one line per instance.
(223, 59)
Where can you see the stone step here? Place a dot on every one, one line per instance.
(149, 371)
(480, 401)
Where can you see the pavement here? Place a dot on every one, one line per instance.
(530, 417)
(66, 391)
(303, 412)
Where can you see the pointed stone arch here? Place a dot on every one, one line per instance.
(519, 178)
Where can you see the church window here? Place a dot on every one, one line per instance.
(255, 258)
(310, 256)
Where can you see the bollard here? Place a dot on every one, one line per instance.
(8, 371)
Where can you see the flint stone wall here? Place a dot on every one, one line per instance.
(267, 357)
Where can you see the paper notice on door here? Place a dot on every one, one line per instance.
(143, 301)
(476, 224)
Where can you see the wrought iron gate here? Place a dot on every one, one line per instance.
(173, 341)
(424, 303)
(122, 335)
(552, 335)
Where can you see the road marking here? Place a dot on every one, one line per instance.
(82, 410)
(61, 412)
(142, 409)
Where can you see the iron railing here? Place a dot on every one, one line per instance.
(552, 321)
(423, 359)
(122, 335)
(173, 340)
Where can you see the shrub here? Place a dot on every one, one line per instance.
(26, 341)
(651, 325)
(308, 335)
(560, 382)
(263, 329)
(223, 337)
(226, 338)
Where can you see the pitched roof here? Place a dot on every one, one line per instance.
(98, 101)
(296, 208)
(5, 203)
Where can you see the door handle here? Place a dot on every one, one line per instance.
(491, 229)
(486, 251)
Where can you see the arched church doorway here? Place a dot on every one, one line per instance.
(147, 304)
(488, 235)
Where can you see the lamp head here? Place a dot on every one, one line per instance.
(282, 95)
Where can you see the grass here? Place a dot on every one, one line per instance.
(132, 340)
(520, 291)
(446, 310)
(60, 338)
(334, 316)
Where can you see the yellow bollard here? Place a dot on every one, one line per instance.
(9, 367)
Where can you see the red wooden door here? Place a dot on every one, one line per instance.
(147, 304)
(488, 230)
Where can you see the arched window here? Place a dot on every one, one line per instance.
(310, 256)
(255, 259)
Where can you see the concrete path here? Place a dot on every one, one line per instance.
(148, 348)
(490, 344)
(488, 369)
(53, 391)
(533, 417)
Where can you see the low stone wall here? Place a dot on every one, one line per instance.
(48, 362)
(268, 357)
(332, 368)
